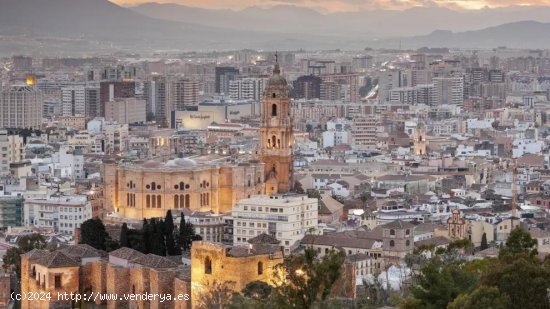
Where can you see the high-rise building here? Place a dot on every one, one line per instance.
(156, 92)
(364, 132)
(92, 99)
(286, 217)
(21, 107)
(387, 80)
(223, 76)
(22, 63)
(119, 73)
(247, 88)
(307, 87)
(276, 135)
(184, 92)
(448, 90)
(11, 150)
(111, 90)
(73, 100)
(125, 110)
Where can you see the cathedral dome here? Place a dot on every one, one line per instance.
(181, 162)
(277, 84)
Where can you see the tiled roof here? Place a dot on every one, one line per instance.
(398, 224)
(258, 249)
(57, 259)
(155, 261)
(127, 254)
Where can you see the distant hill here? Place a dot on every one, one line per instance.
(100, 25)
(524, 34)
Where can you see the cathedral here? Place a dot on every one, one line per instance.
(137, 190)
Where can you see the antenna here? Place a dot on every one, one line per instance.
(276, 57)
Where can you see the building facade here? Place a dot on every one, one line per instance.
(21, 108)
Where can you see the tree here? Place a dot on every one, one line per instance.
(364, 197)
(257, 290)
(158, 245)
(186, 234)
(484, 244)
(312, 193)
(298, 187)
(147, 236)
(304, 280)
(519, 243)
(93, 233)
(215, 295)
(12, 258)
(441, 281)
(482, 297)
(171, 248)
(124, 236)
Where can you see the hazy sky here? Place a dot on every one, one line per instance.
(345, 5)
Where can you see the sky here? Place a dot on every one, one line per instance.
(346, 5)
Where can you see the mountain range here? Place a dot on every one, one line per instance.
(149, 27)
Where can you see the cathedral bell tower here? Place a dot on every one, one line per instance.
(276, 136)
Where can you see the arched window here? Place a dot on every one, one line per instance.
(208, 266)
(176, 201)
(273, 95)
(407, 232)
(274, 109)
(408, 243)
(274, 141)
(187, 204)
(182, 201)
(260, 268)
(133, 289)
(392, 232)
(182, 186)
(154, 202)
(33, 271)
(392, 243)
(159, 201)
(153, 186)
(148, 201)
(249, 181)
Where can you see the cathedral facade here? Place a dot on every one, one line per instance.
(146, 190)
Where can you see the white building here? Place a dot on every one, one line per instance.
(335, 134)
(208, 225)
(287, 217)
(249, 88)
(125, 110)
(525, 146)
(62, 213)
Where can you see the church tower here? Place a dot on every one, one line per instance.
(276, 136)
(419, 140)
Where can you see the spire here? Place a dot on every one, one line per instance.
(276, 69)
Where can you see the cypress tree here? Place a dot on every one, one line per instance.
(124, 236)
(169, 234)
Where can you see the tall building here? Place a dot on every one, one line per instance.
(11, 151)
(247, 88)
(73, 100)
(111, 90)
(286, 217)
(276, 135)
(156, 92)
(22, 63)
(92, 99)
(365, 132)
(21, 108)
(307, 87)
(125, 110)
(387, 80)
(184, 92)
(448, 90)
(223, 76)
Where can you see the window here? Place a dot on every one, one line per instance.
(148, 201)
(159, 201)
(57, 281)
(408, 243)
(392, 232)
(176, 201)
(187, 204)
(260, 268)
(208, 266)
(153, 185)
(274, 109)
(392, 243)
(407, 232)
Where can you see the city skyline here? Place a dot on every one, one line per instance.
(334, 6)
